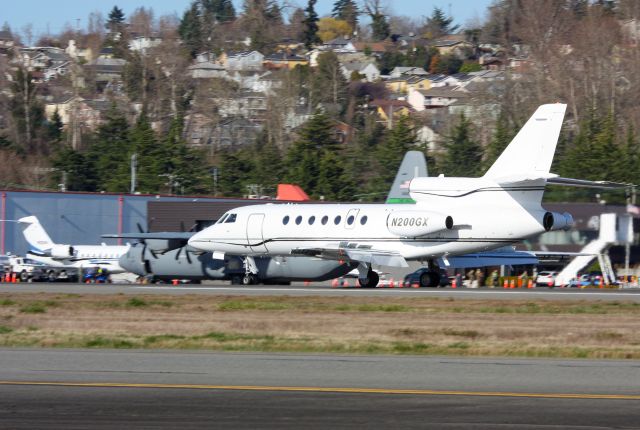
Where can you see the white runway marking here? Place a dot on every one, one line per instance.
(388, 290)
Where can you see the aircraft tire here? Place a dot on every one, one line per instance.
(24, 276)
(371, 281)
(249, 279)
(429, 280)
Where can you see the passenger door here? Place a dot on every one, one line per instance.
(254, 233)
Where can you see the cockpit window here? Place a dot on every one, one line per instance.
(221, 220)
(231, 218)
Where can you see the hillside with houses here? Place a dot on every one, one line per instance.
(219, 100)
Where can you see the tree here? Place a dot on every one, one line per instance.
(310, 35)
(346, 10)
(438, 24)
(464, 155)
(26, 109)
(329, 86)
(220, 10)
(184, 170)
(330, 28)
(145, 146)
(111, 152)
(501, 138)
(379, 25)
(303, 157)
(116, 19)
(391, 151)
(190, 29)
(75, 168)
(55, 127)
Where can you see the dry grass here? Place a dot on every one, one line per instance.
(324, 324)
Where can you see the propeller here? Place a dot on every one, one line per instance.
(144, 242)
(186, 253)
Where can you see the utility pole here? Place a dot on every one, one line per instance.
(134, 166)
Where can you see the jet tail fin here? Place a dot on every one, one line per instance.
(35, 234)
(413, 165)
(530, 153)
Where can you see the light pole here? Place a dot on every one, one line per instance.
(134, 166)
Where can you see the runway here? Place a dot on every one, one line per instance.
(103, 389)
(326, 290)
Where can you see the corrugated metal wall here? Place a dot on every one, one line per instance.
(74, 218)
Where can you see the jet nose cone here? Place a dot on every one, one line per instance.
(199, 240)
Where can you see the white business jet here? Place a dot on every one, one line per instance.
(44, 250)
(451, 217)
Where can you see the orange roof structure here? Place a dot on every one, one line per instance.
(292, 193)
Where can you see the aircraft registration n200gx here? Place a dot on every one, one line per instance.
(452, 216)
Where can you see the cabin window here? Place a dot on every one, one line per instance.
(231, 218)
(298, 219)
(363, 220)
(337, 220)
(325, 220)
(285, 220)
(312, 220)
(350, 219)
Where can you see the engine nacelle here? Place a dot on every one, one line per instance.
(417, 223)
(62, 251)
(552, 221)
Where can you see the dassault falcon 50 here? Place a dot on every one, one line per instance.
(452, 216)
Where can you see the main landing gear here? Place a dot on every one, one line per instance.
(431, 277)
(367, 278)
(250, 272)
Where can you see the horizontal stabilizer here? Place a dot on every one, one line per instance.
(569, 182)
(164, 235)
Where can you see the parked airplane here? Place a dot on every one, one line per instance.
(44, 250)
(452, 216)
(165, 256)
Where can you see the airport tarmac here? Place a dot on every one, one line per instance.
(630, 294)
(57, 388)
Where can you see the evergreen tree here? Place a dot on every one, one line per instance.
(631, 158)
(310, 35)
(190, 29)
(346, 10)
(390, 153)
(221, 10)
(303, 157)
(149, 160)
(438, 24)
(26, 109)
(464, 155)
(184, 169)
(334, 179)
(232, 176)
(55, 127)
(380, 27)
(77, 169)
(116, 19)
(111, 152)
(502, 136)
(269, 168)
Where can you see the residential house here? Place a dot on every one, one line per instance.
(242, 61)
(339, 45)
(79, 52)
(247, 104)
(369, 70)
(202, 131)
(107, 71)
(400, 71)
(404, 83)
(453, 45)
(389, 111)
(77, 112)
(207, 70)
(372, 48)
(284, 60)
(45, 63)
(141, 43)
(436, 97)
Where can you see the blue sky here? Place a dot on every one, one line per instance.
(54, 14)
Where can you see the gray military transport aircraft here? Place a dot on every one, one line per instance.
(165, 256)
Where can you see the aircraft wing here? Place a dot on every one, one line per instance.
(364, 255)
(481, 259)
(164, 235)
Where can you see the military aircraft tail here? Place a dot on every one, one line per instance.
(413, 165)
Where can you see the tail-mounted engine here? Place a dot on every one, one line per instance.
(417, 223)
(552, 221)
